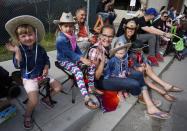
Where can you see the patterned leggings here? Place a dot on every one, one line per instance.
(76, 71)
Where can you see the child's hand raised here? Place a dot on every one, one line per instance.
(85, 61)
(10, 47)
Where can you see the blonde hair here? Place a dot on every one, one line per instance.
(24, 29)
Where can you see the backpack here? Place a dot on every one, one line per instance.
(7, 87)
(4, 77)
(179, 45)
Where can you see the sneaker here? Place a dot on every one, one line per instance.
(47, 103)
(159, 57)
(153, 60)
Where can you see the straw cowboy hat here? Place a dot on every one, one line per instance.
(13, 23)
(130, 24)
(122, 46)
(65, 18)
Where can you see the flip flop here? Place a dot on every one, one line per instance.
(159, 115)
(174, 89)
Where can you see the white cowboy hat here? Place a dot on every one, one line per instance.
(65, 18)
(13, 23)
(122, 46)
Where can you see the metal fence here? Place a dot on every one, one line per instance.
(45, 10)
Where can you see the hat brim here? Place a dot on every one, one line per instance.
(56, 22)
(12, 24)
(114, 50)
(136, 49)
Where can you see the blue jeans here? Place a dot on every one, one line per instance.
(133, 83)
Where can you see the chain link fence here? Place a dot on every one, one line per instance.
(45, 10)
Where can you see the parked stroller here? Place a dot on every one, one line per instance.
(178, 43)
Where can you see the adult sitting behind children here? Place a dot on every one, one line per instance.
(70, 57)
(31, 58)
(130, 36)
(84, 37)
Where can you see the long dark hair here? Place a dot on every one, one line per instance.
(133, 38)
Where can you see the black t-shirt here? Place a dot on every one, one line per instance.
(101, 6)
(142, 23)
(160, 24)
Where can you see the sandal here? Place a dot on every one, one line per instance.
(90, 104)
(28, 123)
(169, 97)
(159, 115)
(174, 89)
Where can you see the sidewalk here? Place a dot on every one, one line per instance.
(66, 116)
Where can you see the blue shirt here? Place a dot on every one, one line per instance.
(36, 61)
(116, 66)
(122, 39)
(65, 51)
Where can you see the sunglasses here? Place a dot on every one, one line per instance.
(165, 16)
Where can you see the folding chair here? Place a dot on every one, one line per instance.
(44, 90)
(99, 24)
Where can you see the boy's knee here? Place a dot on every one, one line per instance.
(56, 86)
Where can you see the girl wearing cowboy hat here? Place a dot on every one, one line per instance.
(70, 57)
(31, 59)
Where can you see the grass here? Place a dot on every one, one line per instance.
(48, 43)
